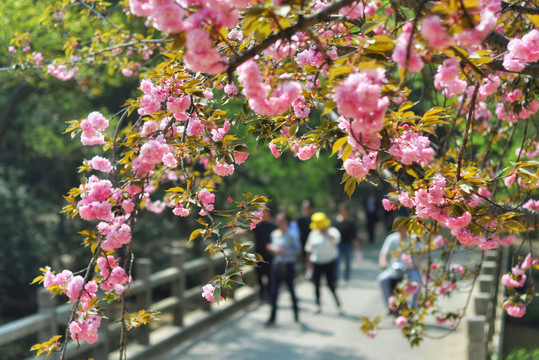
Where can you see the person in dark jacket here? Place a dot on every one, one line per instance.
(262, 233)
(348, 244)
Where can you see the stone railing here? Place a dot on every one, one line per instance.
(485, 328)
(183, 311)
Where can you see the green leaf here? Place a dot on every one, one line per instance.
(338, 144)
(194, 234)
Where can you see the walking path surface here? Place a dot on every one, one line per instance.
(325, 336)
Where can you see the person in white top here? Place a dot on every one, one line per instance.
(321, 254)
(400, 256)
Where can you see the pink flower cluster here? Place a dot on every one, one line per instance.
(489, 13)
(447, 78)
(358, 98)
(207, 293)
(412, 147)
(258, 92)
(522, 51)
(101, 164)
(114, 275)
(117, 233)
(435, 33)
(94, 203)
(531, 205)
(409, 60)
(515, 279)
(152, 153)
(359, 166)
(92, 129)
(306, 152)
(174, 17)
(86, 325)
(358, 10)
(224, 169)
(207, 199)
(510, 115)
(85, 328)
(61, 72)
(274, 150)
(515, 309)
(219, 132)
(202, 56)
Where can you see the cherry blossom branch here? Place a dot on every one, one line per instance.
(507, 6)
(467, 130)
(102, 17)
(302, 23)
(76, 304)
(468, 62)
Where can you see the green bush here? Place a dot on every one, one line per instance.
(523, 354)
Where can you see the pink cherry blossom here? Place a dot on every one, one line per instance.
(207, 292)
(195, 127)
(447, 78)
(388, 206)
(401, 321)
(240, 157)
(231, 89)
(273, 148)
(527, 263)
(201, 55)
(358, 97)
(259, 93)
(458, 223)
(515, 310)
(407, 59)
(412, 147)
(101, 164)
(224, 169)
(435, 33)
(306, 152)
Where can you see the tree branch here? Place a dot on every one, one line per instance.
(302, 23)
(507, 6)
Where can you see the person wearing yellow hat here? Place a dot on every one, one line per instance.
(321, 254)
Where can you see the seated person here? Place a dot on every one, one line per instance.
(397, 262)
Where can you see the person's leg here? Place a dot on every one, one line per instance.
(329, 270)
(290, 284)
(316, 281)
(384, 278)
(413, 275)
(274, 292)
(338, 262)
(371, 222)
(348, 252)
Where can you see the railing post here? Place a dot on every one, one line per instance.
(481, 304)
(144, 299)
(489, 267)
(486, 283)
(47, 305)
(178, 287)
(477, 345)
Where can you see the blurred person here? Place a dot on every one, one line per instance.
(348, 244)
(262, 236)
(304, 222)
(285, 247)
(398, 259)
(371, 213)
(321, 254)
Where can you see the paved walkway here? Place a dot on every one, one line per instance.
(325, 336)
